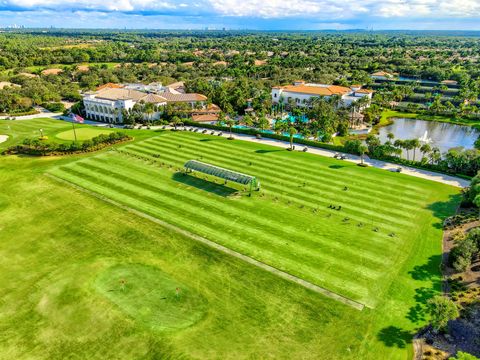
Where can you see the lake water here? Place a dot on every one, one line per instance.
(442, 135)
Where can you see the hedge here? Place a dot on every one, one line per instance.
(40, 148)
(254, 132)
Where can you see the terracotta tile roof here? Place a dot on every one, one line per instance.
(317, 90)
(170, 97)
(28, 75)
(128, 94)
(364, 91)
(381, 73)
(260, 62)
(83, 68)
(4, 84)
(176, 85)
(449, 82)
(205, 117)
(153, 98)
(52, 71)
(110, 85)
(211, 109)
(222, 63)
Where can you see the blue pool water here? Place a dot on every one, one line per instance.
(298, 136)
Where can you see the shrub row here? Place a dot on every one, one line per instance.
(254, 132)
(21, 113)
(40, 148)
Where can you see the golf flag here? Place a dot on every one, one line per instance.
(77, 118)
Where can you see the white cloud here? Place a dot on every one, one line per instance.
(329, 10)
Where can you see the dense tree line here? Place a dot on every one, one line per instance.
(253, 60)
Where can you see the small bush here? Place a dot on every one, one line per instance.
(54, 106)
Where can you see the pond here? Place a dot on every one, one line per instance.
(441, 135)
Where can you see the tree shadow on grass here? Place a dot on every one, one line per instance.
(428, 271)
(418, 312)
(444, 209)
(393, 336)
(204, 185)
(336, 166)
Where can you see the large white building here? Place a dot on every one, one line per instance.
(106, 104)
(302, 93)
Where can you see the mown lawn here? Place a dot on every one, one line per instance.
(80, 277)
(84, 133)
(55, 130)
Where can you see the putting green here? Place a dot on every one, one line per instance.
(82, 133)
(151, 297)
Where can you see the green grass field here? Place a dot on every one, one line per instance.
(82, 133)
(61, 279)
(288, 224)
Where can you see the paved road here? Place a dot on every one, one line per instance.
(42, 114)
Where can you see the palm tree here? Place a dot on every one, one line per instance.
(435, 155)
(407, 145)
(362, 149)
(390, 136)
(398, 143)
(291, 132)
(279, 127)
(414, 143)
(263, 123)
(230, 122)
(176, 121)
(425, 148)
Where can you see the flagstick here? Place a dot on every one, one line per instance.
(74, 132)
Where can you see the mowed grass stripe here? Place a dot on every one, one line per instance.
(238, 209)
(272, 270)
(293, 169)
(275, 157)
(283, 171)
(361, 213)
(255, 230)
(310, 272)
(334, 196)
(380, 248)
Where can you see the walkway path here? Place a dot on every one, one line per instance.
(219, 247)
(42, 114)
(425, 174)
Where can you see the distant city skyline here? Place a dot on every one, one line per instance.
(245, 14)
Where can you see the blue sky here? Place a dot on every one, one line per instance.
(244, 14)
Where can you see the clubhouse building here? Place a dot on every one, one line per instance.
(301, 93)
(108, 101)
